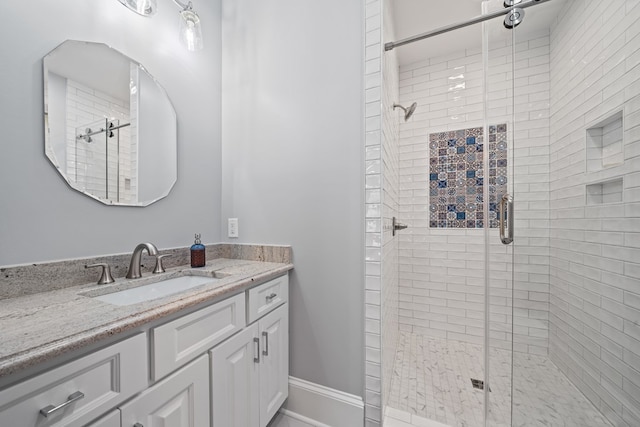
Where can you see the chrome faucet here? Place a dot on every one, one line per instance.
(134, 266)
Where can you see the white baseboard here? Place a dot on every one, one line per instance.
(323, 406)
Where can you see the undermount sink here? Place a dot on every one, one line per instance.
(154, 290)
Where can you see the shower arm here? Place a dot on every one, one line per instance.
(452, 27)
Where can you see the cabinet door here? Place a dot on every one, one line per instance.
(180, 400)
(274, 369)
(234, 380)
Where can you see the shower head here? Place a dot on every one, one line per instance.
(408, 112)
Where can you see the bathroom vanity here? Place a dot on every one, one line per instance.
(213, 355)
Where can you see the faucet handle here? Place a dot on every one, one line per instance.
(159, 268)
(106, 276)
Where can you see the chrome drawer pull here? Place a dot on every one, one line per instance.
(265, 352)
(271, 297)
(51, 409)
(138, 425)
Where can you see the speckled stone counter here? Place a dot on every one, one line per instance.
(39, 327)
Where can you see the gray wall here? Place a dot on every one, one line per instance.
(41, 218)
(292, 166)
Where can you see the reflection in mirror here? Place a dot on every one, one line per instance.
(110, 128)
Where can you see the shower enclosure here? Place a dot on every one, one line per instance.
(100, 162)
(531, 131)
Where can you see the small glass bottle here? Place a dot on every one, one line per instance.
(198, 258)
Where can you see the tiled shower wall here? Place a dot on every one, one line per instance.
(442, 270)
(390, 187)
(595, 242)
(86, 162)
(373, 211)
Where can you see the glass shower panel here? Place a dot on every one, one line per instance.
(576, 291)
(97, 160)
(439, 364)
(91, 158)
(498, 174)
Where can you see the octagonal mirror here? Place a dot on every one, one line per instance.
(110, 128)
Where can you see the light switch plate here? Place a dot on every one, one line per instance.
(232, 227)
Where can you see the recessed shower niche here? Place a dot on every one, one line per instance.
(605, 192)
(604, 143)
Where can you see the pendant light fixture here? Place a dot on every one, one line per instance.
(190, 28)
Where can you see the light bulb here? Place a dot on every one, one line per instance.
(190, 30)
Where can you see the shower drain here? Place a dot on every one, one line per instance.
(479, 384)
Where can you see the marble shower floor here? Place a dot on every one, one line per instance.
(432, 380)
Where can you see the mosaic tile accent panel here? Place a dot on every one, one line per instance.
(457, 176)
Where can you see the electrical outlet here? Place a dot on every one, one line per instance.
(232, 227)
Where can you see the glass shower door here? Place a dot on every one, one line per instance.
(500, 149)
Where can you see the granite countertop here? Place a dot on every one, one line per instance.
(36, 328)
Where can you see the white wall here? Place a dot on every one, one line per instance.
(292, 166)
(56, 101)
(41, 217)
(155, 176)
(595, 245)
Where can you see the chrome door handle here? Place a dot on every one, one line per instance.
(271, 297)
(48, 410)
(265, 352)
(507, 237)
(257, 358)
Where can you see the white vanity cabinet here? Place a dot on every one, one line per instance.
(223, 365)
(250, 371)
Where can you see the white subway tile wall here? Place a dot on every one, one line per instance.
(374, 236)
(570, 284)
(87, 162)
(390, 134)
(595, 203)
(442, 271)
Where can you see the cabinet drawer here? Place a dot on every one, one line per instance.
(99, 382)
(182, 340)
(266, 297)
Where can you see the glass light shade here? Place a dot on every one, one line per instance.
(142, 7)
(190, 30)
